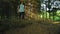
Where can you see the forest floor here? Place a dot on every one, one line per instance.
(28, 27)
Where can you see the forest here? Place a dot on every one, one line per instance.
(41, 17)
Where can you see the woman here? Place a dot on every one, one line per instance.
(21, 10)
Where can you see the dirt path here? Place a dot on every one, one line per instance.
(34, 29)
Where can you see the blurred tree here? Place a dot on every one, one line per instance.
(13, 5)
(12, 9)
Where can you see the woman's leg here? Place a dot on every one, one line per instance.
(23, 15)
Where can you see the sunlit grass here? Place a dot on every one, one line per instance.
(58, 12)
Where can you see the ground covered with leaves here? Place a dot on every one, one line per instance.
(21, 26)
